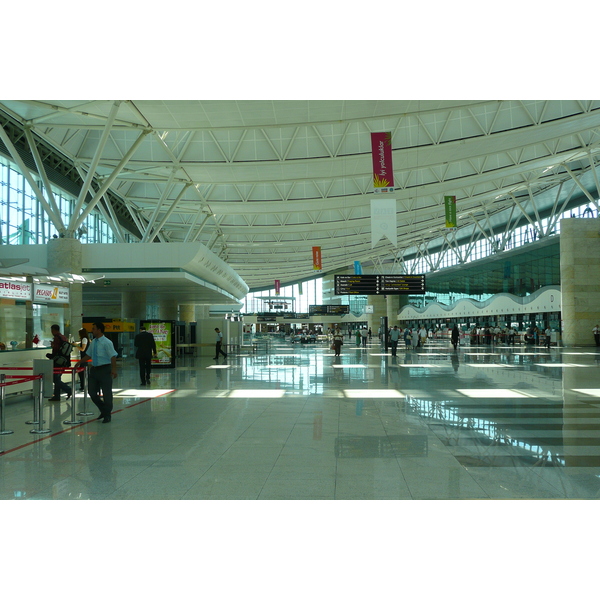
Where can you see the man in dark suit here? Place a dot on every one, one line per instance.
(145, 350)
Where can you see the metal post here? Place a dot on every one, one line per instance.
(85, 412)
(40, 400)
(37, 411)
(73, 420)
(3, 431)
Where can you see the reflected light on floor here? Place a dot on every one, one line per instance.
(257, 394)
(141, 393)
(219, 367)
(350, 366)
(560, 365)
(493, 393)
(493, 365)
(588, 392)
(372, 394)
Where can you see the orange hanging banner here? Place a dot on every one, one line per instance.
(317, 264)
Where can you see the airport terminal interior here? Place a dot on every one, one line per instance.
(217, 213)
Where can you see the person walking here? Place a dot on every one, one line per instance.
(218, 349)
(596, 332)
(357, 336)
(455, 336)
(338, 340)
(364, 334)
(59, 385)
(548, 333)
(407, 337)
(145, 349)
(82, 344)
(394, 337)
(103, 370)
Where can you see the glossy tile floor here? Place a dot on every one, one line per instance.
(295, 422)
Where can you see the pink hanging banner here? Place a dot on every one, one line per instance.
(277, 286)
(383, 171)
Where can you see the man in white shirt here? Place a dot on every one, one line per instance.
(364, 333)
(548, 333)
(219, 341)
(394, 337)
(103, 370)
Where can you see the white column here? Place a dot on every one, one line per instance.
(64, 256)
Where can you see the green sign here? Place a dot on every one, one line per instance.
(450, 204)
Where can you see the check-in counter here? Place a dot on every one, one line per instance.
(11, 359)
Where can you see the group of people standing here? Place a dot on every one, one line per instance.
(98, 358)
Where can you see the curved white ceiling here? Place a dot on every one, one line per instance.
(261, 182)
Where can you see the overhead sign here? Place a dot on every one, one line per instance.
(15, 290)
(379, 284)
(50, 293)
(328, 309)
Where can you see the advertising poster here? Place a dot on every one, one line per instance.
(164, 336)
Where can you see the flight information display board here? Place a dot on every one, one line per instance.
(379, 284)
(329, 309)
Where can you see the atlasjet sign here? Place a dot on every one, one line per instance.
(15, 290)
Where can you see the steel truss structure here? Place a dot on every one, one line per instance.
(261, 182)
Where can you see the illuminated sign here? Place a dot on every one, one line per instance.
(379, 284)
(328, 309)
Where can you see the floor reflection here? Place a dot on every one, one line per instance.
(296, 422)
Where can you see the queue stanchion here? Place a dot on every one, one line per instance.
(37, 405)
(39, 409)
(3, 431)
(73, 420)
(85, 412)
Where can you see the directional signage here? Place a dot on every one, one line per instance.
(329, 309)
(367, 285)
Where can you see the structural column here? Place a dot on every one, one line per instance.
(133, 305)
(394, 305)
(168, 309)
(64, 257)
(379, 310)
(579, 276)
(187, 313)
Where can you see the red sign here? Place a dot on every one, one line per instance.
(383, 172)
(277, 286)
(317, 264)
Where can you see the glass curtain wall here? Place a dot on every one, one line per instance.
(304, 294)
(482, 248)
(23, 220)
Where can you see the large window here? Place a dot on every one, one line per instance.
(484, 247)
(24, 221)
(303, 294)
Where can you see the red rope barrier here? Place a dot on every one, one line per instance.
(56, 369)
(20, 380)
